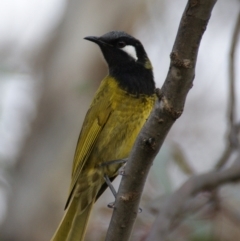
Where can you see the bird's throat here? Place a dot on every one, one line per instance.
(134, 79)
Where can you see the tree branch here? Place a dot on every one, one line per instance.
(176, 207)
(233, 129)
(169, 107)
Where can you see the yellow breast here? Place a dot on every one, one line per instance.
(128, 115)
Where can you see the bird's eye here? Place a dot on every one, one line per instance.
(121, 44)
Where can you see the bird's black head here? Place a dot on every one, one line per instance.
(127, 61)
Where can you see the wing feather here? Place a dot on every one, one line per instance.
(95, 120)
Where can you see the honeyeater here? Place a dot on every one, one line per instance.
(117, 113)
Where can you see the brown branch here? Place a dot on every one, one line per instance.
(169, 107)
(175, 207)
(233, 130)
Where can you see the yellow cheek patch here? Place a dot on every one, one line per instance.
(148, 64)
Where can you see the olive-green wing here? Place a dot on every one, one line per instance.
(95, 120)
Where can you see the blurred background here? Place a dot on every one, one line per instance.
(48, 76)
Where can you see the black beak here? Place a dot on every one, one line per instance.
(93, 39)
(97, 40)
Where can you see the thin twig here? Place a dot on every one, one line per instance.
(233, 130)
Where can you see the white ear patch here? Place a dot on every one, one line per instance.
(131, 51)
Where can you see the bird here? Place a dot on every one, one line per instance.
(120, 107)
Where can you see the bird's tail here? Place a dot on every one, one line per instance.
(74, 223)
